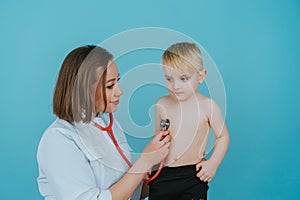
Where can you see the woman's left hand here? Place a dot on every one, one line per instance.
(206, 170)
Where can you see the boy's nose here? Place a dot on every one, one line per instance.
(176, 85)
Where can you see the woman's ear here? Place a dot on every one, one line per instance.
(202, 75)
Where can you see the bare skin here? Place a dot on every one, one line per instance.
(153, 153)
(191, 115)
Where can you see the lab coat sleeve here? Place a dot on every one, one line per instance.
(67, 169)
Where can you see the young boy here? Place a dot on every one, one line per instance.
(191, 115)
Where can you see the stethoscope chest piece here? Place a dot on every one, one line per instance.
(164, 124)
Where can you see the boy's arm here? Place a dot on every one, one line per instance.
(209, 167)
(221, 133)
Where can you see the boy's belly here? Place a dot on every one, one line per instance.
(187, 149)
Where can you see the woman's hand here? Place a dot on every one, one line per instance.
(153, 153)
(157, 149)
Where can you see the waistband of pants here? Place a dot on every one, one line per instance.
(183, 170)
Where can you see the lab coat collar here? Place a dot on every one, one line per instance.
(98, 145)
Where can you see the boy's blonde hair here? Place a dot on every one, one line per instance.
(183, 57)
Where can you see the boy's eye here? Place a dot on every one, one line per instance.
(183, 78)
(168, 79)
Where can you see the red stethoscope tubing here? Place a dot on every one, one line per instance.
(110, 132)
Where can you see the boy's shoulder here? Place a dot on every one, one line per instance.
(202, 99)
(206, 101)
(163, 100)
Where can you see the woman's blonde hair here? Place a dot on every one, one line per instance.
(74, 93)
(183, 57)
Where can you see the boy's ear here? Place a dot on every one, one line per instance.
(202, 75)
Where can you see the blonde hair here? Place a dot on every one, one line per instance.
(183, 57)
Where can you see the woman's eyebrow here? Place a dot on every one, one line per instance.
(110, 80)
(113, 79)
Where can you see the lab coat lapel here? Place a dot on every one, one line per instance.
(99, 146)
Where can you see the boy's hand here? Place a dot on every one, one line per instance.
(206, 170)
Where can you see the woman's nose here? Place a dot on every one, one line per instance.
(118, 91)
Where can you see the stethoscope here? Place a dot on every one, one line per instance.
(164, 124)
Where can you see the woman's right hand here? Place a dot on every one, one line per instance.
(157, 149)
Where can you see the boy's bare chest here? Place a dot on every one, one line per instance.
(186, 121)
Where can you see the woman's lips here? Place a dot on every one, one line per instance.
(116, 102)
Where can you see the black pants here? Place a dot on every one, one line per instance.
(178, 183)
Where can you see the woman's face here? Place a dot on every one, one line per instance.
(112, 89)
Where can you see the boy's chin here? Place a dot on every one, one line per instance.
(180, 98)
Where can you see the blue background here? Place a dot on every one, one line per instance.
(256, 45)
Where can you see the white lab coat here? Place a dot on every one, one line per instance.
(79, 161)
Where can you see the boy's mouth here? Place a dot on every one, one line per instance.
(178, 93)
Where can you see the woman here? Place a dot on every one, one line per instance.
(76, 156)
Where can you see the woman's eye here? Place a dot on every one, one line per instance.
(168, 79)
(113, 84)
(110, 86)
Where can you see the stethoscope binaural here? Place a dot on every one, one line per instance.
(164, 124)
